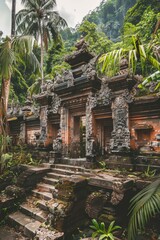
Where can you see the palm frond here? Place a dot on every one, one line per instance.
(48, 4)
(7, 58)
(143, 206)
(110, 62)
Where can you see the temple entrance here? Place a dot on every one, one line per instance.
(77, 147)
(104, 130)
(107, 136)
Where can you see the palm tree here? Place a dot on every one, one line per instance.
(11, 51)
(40, 20)
(13, 17)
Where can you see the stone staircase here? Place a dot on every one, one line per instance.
(33, 213)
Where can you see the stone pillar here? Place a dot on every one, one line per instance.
(43, 125)
(64, 129)
(22, 135)
(120, 139)
(90, 141)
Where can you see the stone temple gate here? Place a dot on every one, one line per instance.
(80, 114)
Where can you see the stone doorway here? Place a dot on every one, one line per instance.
(77, 147)
(107, 137)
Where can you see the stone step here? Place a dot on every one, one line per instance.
(74, 161)
(42, 204)
(31, 210)
(45, 187)
(42, 195)
(65, 172)
(57, 175)
(50, 181)
(27, 225)
(69, 167)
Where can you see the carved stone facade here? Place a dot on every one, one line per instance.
(57, 143)
(118, 192)
(66, 77)
(105, 104)
(91, 103)
(55, 104)
(120, 139)
(104, 95)
(43, 125)
(22, 136)
(89, 70)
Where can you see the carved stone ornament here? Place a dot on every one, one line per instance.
(120, 139)
(43, 125)
(14, 110)
(129, 96)
(47, 87)
(55, 104)
(152, 86)
(91, 103)
(58, 79)
(118, 192)
(22, 135)
(104, 95)
(89, 69)
(68, 77)
(57, 143)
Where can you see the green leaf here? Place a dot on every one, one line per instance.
(103, 236)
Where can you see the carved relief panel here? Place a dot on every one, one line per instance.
(120, 138)
(43, 125)
(91, 103)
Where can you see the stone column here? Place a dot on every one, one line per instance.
(43, 125)
(64, 129)
(90, 141)
(22, 135)
(120, 139)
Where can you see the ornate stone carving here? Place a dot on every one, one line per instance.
(82, 47)
(120, 139)
(152, 86)
(14, 110)
(129, 95)
(57, 143)
(55, 104)
(91, 103)
(68, 76)
(58, 79)
(118, 192)
(104, 95)
(89, 69)
(43, 125)
(22, 134)
(47, 87)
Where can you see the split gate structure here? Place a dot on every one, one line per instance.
(82, 115)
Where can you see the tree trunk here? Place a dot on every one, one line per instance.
(13, 18)
(3, 106)
(42, 52)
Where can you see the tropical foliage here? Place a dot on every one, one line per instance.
(109, 16)
(12, 50)
(101, 232)
(140, 58)
(144, 206)
(39, 19)
(97, 40)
